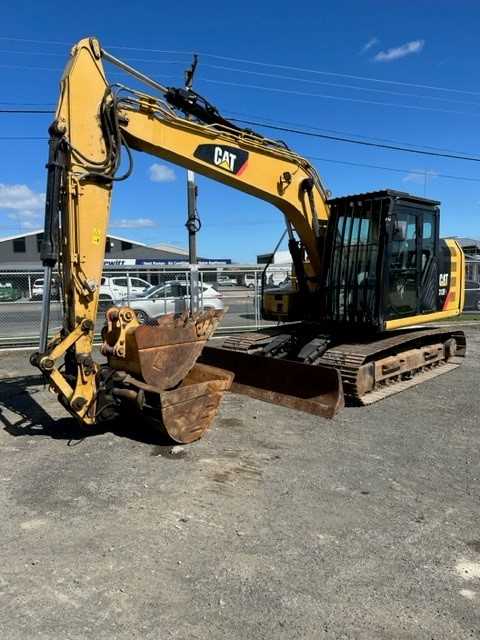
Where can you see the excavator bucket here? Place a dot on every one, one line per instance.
(317, 390)
(184, 413)
(168, 349)
(158, 371)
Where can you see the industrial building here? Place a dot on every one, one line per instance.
(22, 253)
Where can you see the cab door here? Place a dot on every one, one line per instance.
(402, 282)
(429, 262)
(411, 276)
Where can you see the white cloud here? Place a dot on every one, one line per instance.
(368, 45)
(23, 205)
(20, 197)
(133, 223)
(419, 176)
(161, 173)
(414, 46)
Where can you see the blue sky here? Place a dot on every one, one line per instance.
(400, 44)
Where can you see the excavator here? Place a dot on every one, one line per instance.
(368, 269)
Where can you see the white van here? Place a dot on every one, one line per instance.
(276, 275)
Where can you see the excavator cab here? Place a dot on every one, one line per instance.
(385, 263)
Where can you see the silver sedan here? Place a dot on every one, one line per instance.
(172, 297)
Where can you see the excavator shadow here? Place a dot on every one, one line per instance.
(22, 415)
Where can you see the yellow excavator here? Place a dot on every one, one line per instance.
(367, 270)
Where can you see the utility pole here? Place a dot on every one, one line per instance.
(193, 221)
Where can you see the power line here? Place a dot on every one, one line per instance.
(262, 74)
(312, 134)
(257, 63)
(344, 133)
(29, 68)
(365, 165)
(394, 169)
(271, 120)
(340, 98)
(303, 69)
(360, 142)
(296, 92)
(19, 104)
(26, 111)
(62, 55)
(335, 84)
(322, 159)
(30, 40)
(340, 75)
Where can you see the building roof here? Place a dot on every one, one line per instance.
(167, 248)
(22, 235)
(170, 247)
(468, 242)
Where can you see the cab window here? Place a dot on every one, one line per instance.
(402, 288)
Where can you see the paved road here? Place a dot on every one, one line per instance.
(276, 526)
(23, 318)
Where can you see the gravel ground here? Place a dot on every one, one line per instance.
(277, 525)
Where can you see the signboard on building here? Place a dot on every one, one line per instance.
(131, 262)
(119, 262)
(155, 261)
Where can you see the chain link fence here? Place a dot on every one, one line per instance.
(157, 291)
(152, 293)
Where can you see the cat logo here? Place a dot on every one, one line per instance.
(223, 158)
(230, 159)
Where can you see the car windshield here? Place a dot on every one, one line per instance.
(160, 291)
(151, 289)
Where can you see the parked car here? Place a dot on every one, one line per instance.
(276, 277)
(120, 287)
(472, 296)
(9, 293)
(172, 297)
(226, 281)
(251, 280)
(37, 289)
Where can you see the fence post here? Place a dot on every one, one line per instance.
(29, 286)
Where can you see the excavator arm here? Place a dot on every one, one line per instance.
(151, 368)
